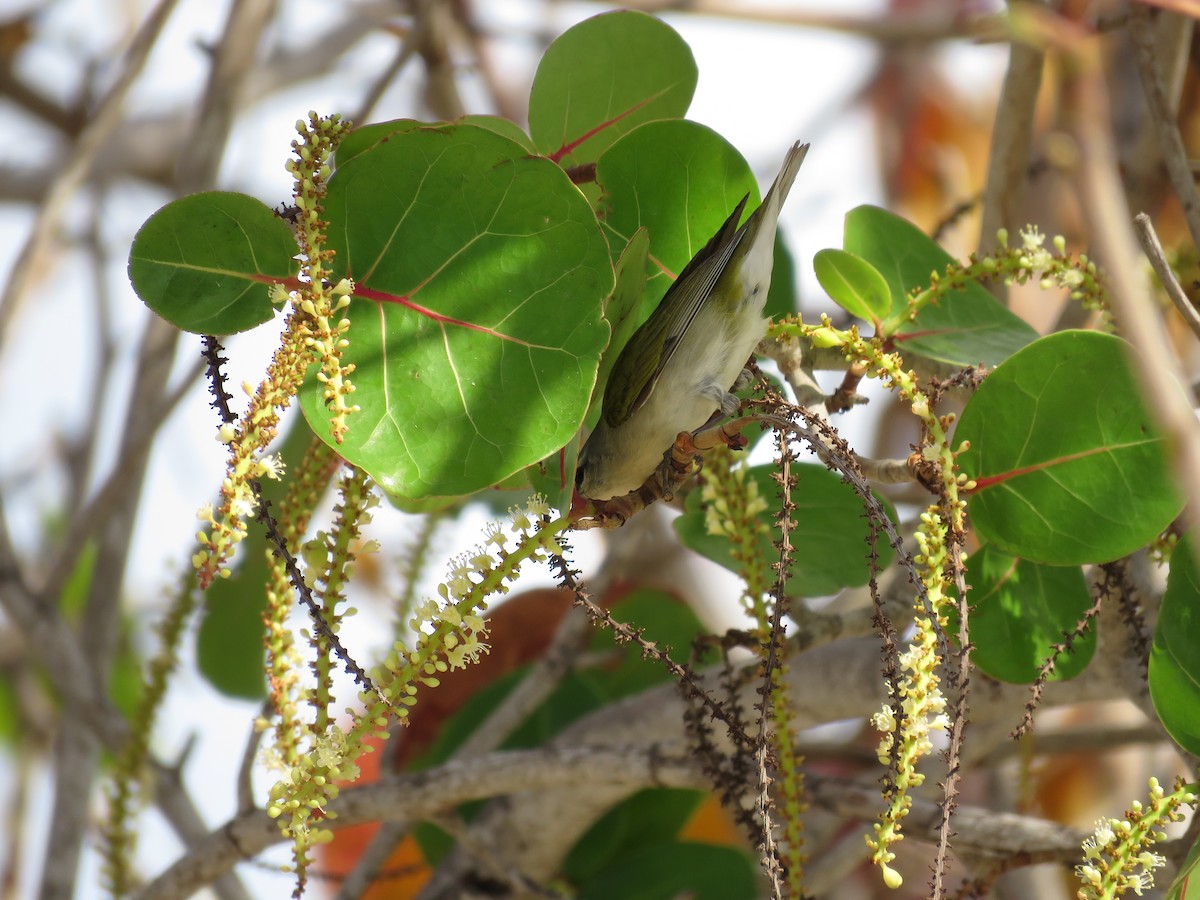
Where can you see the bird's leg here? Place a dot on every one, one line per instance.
(744, 378)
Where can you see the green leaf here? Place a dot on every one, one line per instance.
(1021, 609)
(572, 699)
(966, 327)
(854, 284)
(1186, 885)
(604, 77)
(649, 817)
(781, 296)
(10, 712)
(680, 180)
(1069, 469)
(476, 326)
(666, 871)
(1175, 654)
(206, 262)
(829, 538)
(78, 585)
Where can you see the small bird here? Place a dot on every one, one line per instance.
(677, 369)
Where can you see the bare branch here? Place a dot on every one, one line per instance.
(74, 170)
(1012, 136)
(419, 795)
(1162, 118)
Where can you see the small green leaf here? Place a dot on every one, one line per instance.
(10, 713)
(1186, 885)
(206, 262)
(1069, 468)
(830, 538)
(854, 284)
(1175, 654)
(964, 328)
(73, 599)
(678, 179)
(1021, 609)
(604, 77)
(476, 326)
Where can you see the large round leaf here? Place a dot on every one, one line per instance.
(1021, 610)
(1175, 654)
(603, 78)
(476, 326)
(206, 262)
(678, 179)
(1069, 469)
(830, 537)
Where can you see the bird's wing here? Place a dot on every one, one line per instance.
(653, 345)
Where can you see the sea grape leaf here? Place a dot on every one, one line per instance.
(206, 262)
(1069, 468)
(476, 326)
(1021, 610)
(604, 77)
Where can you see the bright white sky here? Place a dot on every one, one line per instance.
(761, 86)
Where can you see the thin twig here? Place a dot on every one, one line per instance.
(1147, 237)
(245, 781)
(75, 168)
(886, 471)
(235, 58)
(938, 24)
(405, 53)
(77, 750)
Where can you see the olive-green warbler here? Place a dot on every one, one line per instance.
(676, 370)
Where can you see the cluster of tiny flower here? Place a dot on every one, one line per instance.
(717, 489)
(923, 707)
(239, 505)
(470, 578)
(1117, 857)
(1036, 259)
(922, 701)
